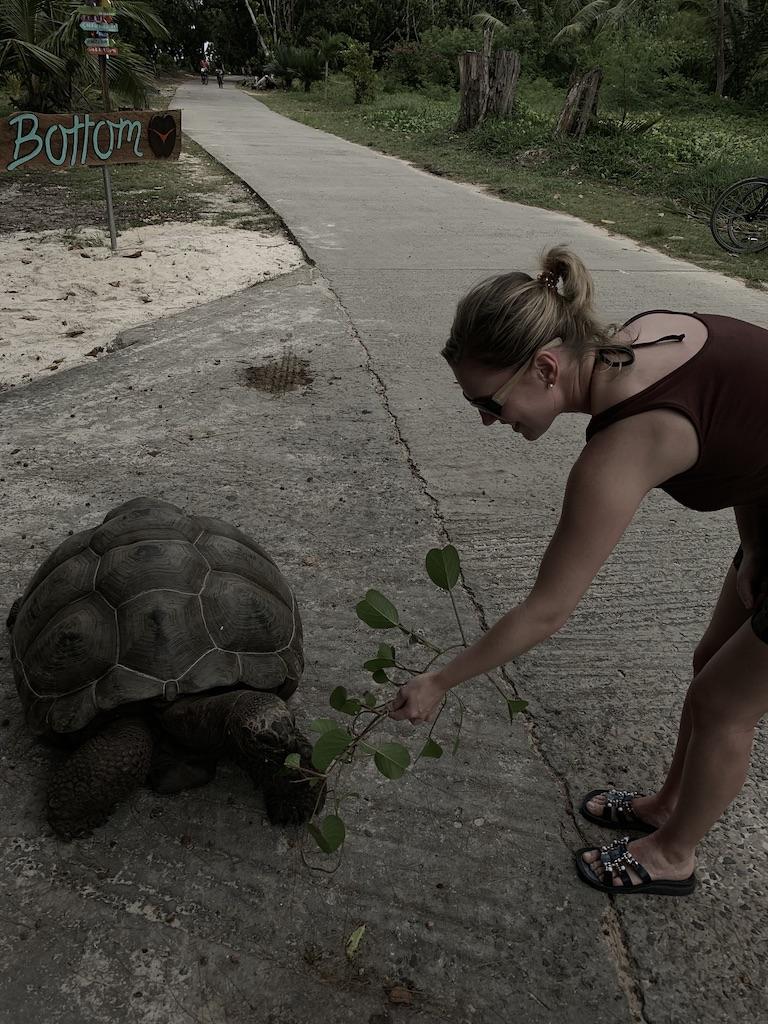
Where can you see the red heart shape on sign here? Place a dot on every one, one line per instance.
(161, 134)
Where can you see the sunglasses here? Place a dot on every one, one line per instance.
(493, 405)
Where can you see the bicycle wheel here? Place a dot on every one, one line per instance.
(739, 220)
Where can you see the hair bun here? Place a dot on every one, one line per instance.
(548, 278)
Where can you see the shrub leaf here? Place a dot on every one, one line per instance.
(377, 612)
(443, 566)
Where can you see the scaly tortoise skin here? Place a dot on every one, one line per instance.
(157, 644)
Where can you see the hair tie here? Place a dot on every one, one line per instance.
(547, 278)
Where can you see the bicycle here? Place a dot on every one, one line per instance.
(739, 221)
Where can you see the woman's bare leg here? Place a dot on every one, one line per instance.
(726, 700)
(728, 616)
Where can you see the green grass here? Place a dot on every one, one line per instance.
(655, 187)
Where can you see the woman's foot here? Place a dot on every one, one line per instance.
(647, 810)
(658, 864)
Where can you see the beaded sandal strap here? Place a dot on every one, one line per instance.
(618, 806)
(616, 859)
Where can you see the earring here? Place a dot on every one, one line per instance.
(551, 384)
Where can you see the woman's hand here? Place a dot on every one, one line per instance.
(751, 578)
(419, 699)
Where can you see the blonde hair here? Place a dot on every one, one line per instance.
(505, 320)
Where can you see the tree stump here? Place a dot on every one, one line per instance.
(580, 104)
(473, 102)
(504, 75)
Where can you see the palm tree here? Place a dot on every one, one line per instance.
(308, 66)
(41, 43)
(329, 45)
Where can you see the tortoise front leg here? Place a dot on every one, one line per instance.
(98, 775)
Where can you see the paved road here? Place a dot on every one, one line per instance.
(463, 875)
(398, 247)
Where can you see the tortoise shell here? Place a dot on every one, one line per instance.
(152, 603)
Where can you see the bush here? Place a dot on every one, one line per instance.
(407, 64)
(358, 66)
(165, 62)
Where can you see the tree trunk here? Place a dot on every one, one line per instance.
(720, 82)
(580, 104)
(473, 101)
(502, 87)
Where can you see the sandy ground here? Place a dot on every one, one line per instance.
(64, 296)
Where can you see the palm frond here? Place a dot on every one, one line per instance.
(30, 53)
(486, 22)
(586, 19)
(141, 14)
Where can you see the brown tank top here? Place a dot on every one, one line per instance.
(723, 390)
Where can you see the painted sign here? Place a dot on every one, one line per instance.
(91, 25)
(52, 141)
(102, 51)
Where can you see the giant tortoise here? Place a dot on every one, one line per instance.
(157, 644)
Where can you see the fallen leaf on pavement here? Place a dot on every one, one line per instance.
(400, 996)
(95, 351)
(354, 941)
(132, 255)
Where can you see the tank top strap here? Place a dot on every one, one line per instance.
(637, 344)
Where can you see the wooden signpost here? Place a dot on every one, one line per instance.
(64, 141)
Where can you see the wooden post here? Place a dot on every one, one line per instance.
(473, 100)
(505, 73)
(580, 104)
(105, 170)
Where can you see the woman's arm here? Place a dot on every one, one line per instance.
(605, 488)
(606, 485)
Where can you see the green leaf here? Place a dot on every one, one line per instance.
(392, 759)
(380, 677)
(351, 706)
(330, 835)
(323, 724)
(375, 664)
(377, 612)
(370, 700)
(293, 761)
(443, 566)
(354, 941)
(515, 707)
(431, 749)
(330, 745)
(338, 698)
(386, 651)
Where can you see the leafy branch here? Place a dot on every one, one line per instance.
(340, 744)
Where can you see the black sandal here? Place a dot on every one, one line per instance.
(617, 811)
(616, 860)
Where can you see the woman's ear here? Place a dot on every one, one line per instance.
(547, 368)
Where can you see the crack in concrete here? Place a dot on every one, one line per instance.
(612, 927)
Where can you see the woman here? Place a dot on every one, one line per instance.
(677, 401)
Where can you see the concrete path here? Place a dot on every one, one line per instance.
(193, 908)
(398, 247)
